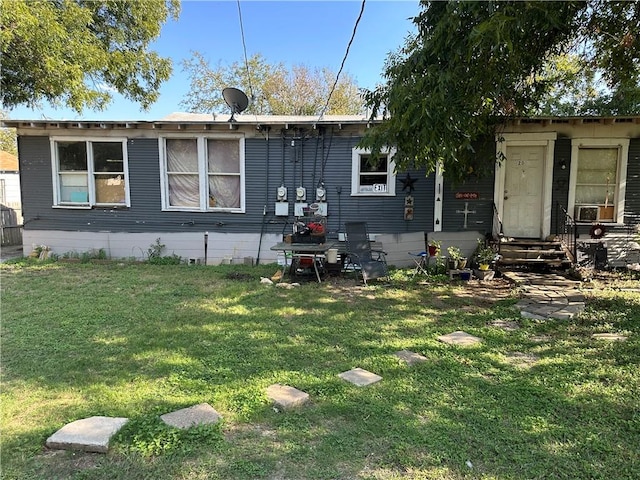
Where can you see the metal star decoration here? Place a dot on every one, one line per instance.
(408, 182)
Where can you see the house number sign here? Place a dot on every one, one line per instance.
(467, 195)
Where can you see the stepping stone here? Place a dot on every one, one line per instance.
(89, 434)
(411, 358)
(459, 338)
(612, 337)
(360, 377)
(540, 338)
(520, 359)
(286, 397)
(506, 325)
(201, 414)
(530, 315)
(567, 312)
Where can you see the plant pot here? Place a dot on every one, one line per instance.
(433, 250)
(462, 263)
(452, 264)
(484, 274)
(484, 266)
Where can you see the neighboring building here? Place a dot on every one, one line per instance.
(10, 206)
(121, 185)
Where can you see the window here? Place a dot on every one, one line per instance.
(204, 174)
(372, 177)
(597, 168)
(90, 173)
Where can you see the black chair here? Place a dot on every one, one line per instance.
(360, 257)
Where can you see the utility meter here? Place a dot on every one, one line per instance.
(301, 193)
(321, 194)
(282, 193)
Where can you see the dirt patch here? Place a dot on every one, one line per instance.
(239, 276)
(60, 463)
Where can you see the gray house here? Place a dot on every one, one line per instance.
(121, 185)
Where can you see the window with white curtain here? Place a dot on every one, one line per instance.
(204, 174)
(597, 179)
(89, 173)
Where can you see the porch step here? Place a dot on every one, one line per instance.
(533, 254)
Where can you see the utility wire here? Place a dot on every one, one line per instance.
(346, 54)
(244, 46)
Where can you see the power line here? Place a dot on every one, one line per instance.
(244, 46)
(346, 54)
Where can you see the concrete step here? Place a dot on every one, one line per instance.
(514, 252)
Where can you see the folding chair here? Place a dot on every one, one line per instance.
(421, 260)
(360, 257)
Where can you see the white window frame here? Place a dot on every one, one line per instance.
(622, 144)
(356, 155)
(203, 174)
(90, 172)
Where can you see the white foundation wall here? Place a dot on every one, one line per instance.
(398, 246)
(222, 247)
(466, 241)
(225, 247)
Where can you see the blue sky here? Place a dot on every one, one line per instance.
(312, 33)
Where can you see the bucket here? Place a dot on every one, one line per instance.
(332, 255)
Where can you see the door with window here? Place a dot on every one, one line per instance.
(523, 191)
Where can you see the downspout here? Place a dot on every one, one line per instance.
(266, 199)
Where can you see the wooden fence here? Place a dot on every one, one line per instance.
(11, 225)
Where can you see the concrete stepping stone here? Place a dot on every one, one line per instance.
(520, 359)
(506, 325)
(540, 338)
(360, 377)
(88, 434)
(532, 316)
(568, 312)
(410, 358)
(201, 414)
(459, 338)
(611, 337)
(286, 397)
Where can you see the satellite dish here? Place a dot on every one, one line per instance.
(236, 99)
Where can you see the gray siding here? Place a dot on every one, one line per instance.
(560, 190)
(632, 197)
(35, 177)
(319, 156)
(322, 155)
(481, 183)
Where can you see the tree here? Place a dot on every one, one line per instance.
(272, 88)
(8, 139)
(74, 52)
(471, 65)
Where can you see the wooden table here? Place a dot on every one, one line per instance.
(317, 252)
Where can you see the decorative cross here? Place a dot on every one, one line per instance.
(466, 212)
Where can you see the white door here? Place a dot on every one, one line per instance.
(523, 186)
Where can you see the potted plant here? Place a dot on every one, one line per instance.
(455, 257)
(433, 248)
(485, 256)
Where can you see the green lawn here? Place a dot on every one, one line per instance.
(139, 340)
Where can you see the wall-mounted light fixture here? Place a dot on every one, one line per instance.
(563, 164)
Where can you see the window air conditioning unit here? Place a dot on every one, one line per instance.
(588, 213)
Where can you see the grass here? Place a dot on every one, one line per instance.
(543, 401)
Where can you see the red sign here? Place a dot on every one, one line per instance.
(467, 195)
